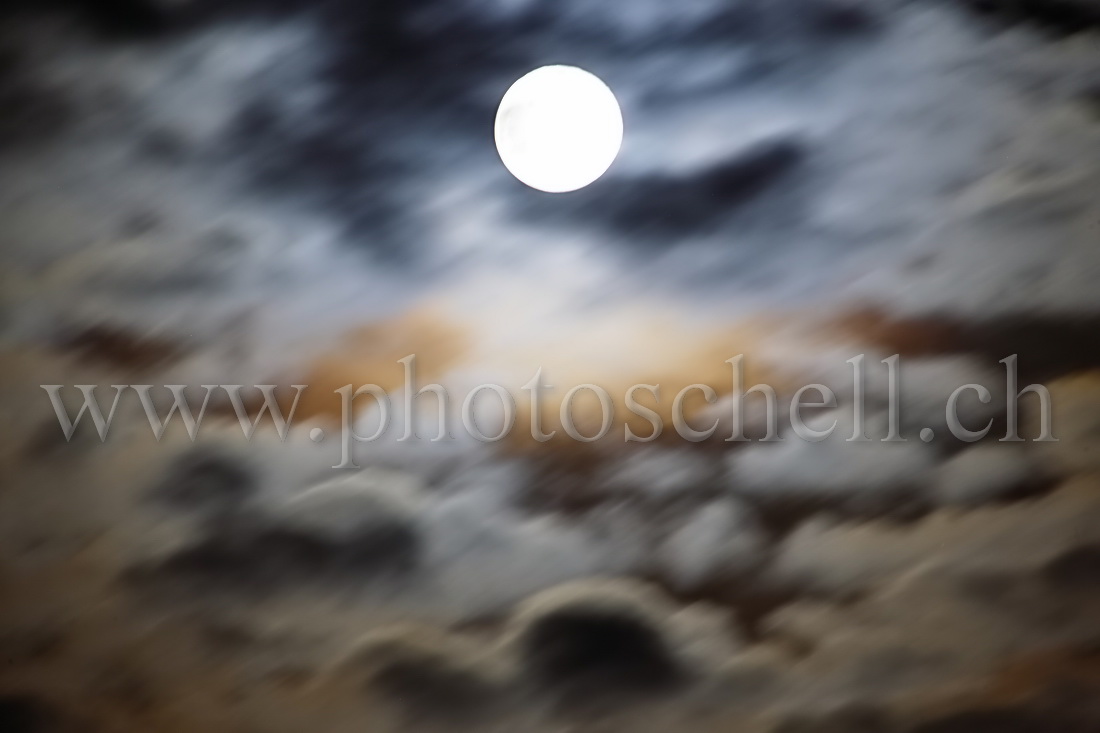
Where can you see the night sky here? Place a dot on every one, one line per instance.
(198, 192)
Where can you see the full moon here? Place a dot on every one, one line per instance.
(558, 128)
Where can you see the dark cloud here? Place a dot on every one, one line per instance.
(648, 210)
(245, 559)
(36, 114)
(849, 719)
(597, 649)
(207, 479)
(333, 535)
(1063, 16)
(1076, 568)
(428, 676)
(25, 714)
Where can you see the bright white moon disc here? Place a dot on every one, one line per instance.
(558, 128)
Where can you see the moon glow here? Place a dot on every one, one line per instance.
(558, 128)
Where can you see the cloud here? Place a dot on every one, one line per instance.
(717, 542)
(648, 209)
(838, 557)
(863, 477)
(206, 478)
(597, 643)
(986, 473)
(426, 675)
(344, 532)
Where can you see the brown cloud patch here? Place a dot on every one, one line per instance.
(369, 354)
